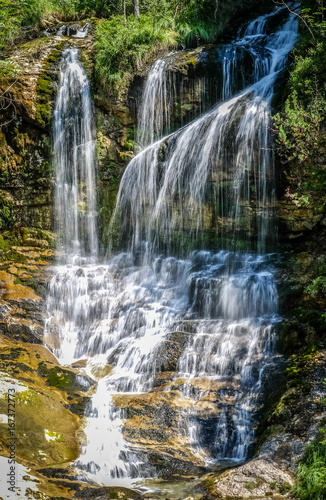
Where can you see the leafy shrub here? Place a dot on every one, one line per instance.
(299, 125)
(34, 11)
(9, 69)
(316, 286)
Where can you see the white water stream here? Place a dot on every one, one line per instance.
(117, 315)
(155, 106)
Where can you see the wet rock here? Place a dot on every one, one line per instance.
(152, 427)
(108, 493)
(72, 29)
(169, 352)
(256, 479)
(293, 418)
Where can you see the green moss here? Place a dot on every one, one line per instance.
(192, 61)
(6, 211)
(300, 367)
(43, 113)
(56, 377)
(251, 485)
(45, 92)
(28, 397)
(285, 488)
(44, 85)
(3, 244)
(113, 495)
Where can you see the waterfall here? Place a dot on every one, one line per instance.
(154, 113)
(213, 177)
(75, 199)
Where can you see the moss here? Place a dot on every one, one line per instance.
(43, 113)
(192, 61)
(3, 244)
(28, 397)
(300, 366)
(251, 485)
(113, 494)
(210, 484)
(285, 488)
(45, 92)
(44, 85)
(6, 211)
(56, 377)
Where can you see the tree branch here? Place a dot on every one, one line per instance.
(282, 2)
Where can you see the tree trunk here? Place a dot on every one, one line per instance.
(136, 7)
(124, 10)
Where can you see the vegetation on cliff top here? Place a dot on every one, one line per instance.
(299, 125)
(125, 42)
(131, 31)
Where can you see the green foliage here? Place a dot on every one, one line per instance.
(299, 125)
(34, 11)
(17, 13)
(123, 46)
(198, 33)
(317, 286)
(9, 69)
(6, 212)
(311, 473)
(10, 19)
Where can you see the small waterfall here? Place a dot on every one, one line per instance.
(75, 199)
(154, 113)
(214, 175)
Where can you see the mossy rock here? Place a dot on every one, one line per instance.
(47, 430)
(63, 378)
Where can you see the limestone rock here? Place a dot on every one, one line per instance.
(256, 479)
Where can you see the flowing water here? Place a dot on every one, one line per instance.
(154, 114)
(119, 315)
(75, 199)
(214, 174)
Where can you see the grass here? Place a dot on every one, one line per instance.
(124, 46)
(311, 473)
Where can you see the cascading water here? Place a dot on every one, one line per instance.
(79, 291)
(154, 113)
(74, 160)
(215, 174)
(234, 300)
(119, 315)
